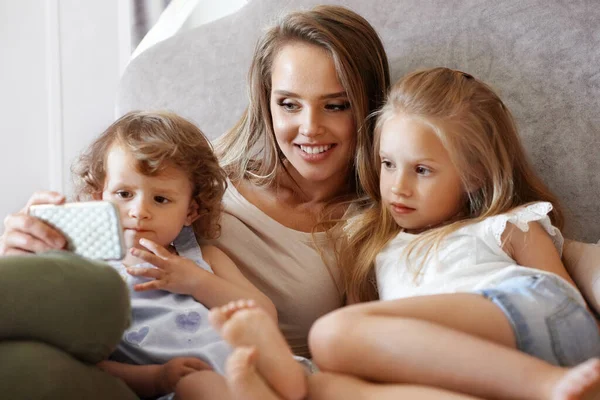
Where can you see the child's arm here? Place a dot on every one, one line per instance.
(228, 284)
(155, 379)
(534, 249)
(180, 275)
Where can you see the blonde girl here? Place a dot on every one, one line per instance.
(462, 240)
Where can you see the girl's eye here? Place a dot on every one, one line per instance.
(123, 194)
(161, 200)
(421, 170)
(338, 107)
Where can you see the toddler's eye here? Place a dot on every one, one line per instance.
(161, 200)
(123, 194)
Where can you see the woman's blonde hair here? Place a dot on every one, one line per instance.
(481, 137)
(249, 150)
(158, 140)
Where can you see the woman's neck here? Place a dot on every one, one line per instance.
(302, 191)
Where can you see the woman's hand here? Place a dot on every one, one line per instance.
(173, 273)
(175, 369)
(26, 234)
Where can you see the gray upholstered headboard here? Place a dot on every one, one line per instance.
(543, 56)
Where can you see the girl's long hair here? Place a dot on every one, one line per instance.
(480, 135)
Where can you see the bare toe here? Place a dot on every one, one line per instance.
(580, 383)
(218, 316)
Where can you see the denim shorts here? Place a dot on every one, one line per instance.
(548, 322)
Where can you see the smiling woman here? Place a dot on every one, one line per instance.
(312, 119)
(315, 77)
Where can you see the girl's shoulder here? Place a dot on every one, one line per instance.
(520, 218)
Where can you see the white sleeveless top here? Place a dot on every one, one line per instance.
(468, 259)
(282, 263)
(165, 325)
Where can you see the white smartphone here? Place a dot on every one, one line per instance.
(92, 228)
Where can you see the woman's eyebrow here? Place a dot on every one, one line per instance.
(325, 96)
(335, 95)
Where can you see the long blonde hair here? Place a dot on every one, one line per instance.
(249, 150)
(480, 135)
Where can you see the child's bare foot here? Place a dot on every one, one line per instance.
(580, 383)
(219, 315)
(253, 327)
(243, 380)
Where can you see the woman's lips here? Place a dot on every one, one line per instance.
(321, 152)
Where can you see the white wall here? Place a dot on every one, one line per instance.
(60, 62)
(90, 66)
(23, 110)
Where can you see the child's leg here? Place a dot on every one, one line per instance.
(247, 384)
(328, 386)
(243, 325)
(203, 385)
(461, 342)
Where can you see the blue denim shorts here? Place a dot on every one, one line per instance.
(548, 322)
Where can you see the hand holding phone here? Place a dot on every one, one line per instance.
(92, 229)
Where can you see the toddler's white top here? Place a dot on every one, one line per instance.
(468, 259)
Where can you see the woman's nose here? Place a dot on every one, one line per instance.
(311, 123)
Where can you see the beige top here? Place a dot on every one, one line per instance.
(283, 263)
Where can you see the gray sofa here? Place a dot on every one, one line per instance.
(543, 56)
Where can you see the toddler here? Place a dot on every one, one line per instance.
(161, 173)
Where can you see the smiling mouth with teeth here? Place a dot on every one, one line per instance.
(315, 149)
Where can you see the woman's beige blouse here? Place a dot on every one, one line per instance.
(283, 263)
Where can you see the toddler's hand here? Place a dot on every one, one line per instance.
(175, 369)
(172, 273)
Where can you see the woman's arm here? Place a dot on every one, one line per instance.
(582, 261)
(26, 234)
